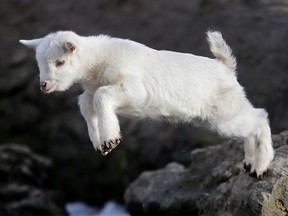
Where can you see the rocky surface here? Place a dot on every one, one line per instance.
(23, 189)
(256, 30)
(215, 183)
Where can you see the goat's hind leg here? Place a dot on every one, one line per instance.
(249, 148)
(264, 153)
(251, 124)
(258, 145)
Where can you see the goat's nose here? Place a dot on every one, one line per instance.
(43, 84)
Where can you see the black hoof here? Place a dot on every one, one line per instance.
(108, 146)
(247, 167)
(253, 174)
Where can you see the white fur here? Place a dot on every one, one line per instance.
(128, 78)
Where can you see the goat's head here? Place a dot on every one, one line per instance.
(58, 60)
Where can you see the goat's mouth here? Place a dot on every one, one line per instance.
(48, 88)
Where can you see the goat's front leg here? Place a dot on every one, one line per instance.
(106, 100)
(85, 102)
(109, 99)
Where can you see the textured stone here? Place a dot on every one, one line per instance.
(22, 184)
(215, 183)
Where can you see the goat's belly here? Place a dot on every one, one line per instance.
(171, 114)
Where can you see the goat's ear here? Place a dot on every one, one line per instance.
(69, 47)
(31, 43)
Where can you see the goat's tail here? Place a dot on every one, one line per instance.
(221, 50)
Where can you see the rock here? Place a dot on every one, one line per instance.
(215, 183)
(22, 184)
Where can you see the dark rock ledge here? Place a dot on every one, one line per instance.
(23, 190)
(214, 184)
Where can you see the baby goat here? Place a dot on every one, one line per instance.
(130, 79)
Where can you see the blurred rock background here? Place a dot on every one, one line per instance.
(52, 125)
(23, 187)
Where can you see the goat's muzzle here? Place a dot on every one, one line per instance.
(47, 86)
(43, 86)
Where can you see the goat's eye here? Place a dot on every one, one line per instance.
(59, 63)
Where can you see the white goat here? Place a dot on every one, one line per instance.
(130, 79)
